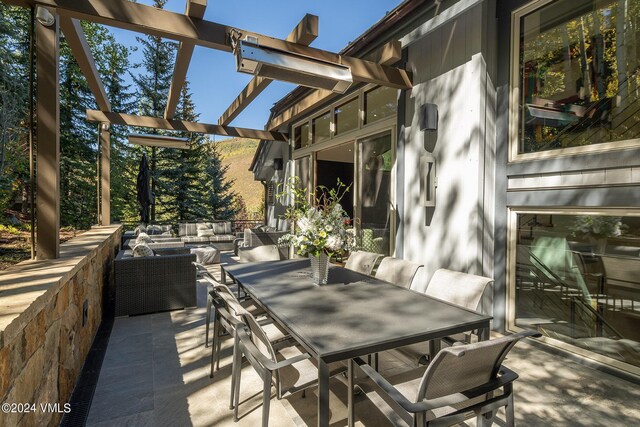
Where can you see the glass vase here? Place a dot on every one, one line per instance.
(319, 268)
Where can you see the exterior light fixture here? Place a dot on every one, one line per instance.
(428, 117)
(44, 16)
(290, 67)
(159, 141)
(105, 126)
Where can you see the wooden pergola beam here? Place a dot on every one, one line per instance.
(48, 137)
(158, 22)
(74, 35)
(181, 125)
(389, 53)
(194, 9)
(304, 33)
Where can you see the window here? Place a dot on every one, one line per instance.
(579, 75)
(577, 281)
(322, 128)
(379, 103)
(301, 136)
(346, 116)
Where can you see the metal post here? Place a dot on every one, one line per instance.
(48, 137)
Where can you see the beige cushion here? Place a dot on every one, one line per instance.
(397, 271)
(222, 227)
(204, 232)
(142, 250)
(458, 288)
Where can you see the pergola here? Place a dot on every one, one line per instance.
(189, 29)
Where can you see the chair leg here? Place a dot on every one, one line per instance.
(235, 367)
(214, 344)
(208, 320)
(509, 410)
(266, 399)
(236, 393)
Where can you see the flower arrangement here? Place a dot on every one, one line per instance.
(319, 228)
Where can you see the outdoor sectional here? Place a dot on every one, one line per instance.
(217, 233)
(154, 283)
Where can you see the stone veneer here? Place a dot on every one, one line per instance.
(43, 343)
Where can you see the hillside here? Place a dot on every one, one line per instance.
(238, 154)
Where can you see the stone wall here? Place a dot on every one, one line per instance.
(43, 347)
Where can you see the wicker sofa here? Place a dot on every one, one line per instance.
(218, 233)
(154, 283)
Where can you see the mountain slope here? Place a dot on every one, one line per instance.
(237, 154)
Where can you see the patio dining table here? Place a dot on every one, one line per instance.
(352, 315)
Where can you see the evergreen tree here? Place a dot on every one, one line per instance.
(14, 106)
(114, 64)
(220, 198)
(153, 89)
(182, 172)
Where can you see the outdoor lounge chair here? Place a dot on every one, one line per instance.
(363, 262)
(397, 271)
(461, 381)
(285, 364)
(263, 253)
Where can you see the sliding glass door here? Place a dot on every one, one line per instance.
(374, 219)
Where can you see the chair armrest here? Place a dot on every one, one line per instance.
(245, 341)
(507, 376)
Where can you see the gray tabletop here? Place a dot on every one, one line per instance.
(353, 314)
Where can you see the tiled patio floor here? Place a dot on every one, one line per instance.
(156, 373)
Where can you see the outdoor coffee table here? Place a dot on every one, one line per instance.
(353, 315)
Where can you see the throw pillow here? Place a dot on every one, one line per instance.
(205, 232)
(143, 238)
(142, 250)
(140, 229)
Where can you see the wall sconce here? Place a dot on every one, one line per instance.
(428, 181)
(105, 126)
(428, 117)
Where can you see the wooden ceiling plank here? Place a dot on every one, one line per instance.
(304, 33)
(78, 43)
(194, 9)
(149, 20)
(181, 125)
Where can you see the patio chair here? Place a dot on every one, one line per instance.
(461, 381)
(462, 289)
(213, 288)
(363, 262)
(289, 368)
(262, 253)
(227, 315)
(397, 271)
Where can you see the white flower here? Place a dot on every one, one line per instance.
(334, 242)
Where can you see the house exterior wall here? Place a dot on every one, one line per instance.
(449, 66)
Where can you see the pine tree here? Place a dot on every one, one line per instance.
(153, 89)
(220, 198)
(182, 171)
(14, 106)
(113, 64)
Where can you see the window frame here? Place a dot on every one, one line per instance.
(514, 99)
(512, 230)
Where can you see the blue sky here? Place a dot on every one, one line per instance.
(214, 81)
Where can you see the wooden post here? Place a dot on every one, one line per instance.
(105, 174)
(48, 142)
